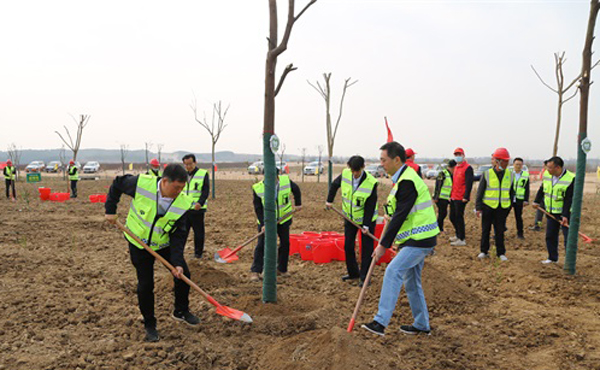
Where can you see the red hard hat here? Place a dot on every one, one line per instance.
(410, 152)
(459, 150)
(71, 162)
(501, 153)
(9, 162)
(154, 162)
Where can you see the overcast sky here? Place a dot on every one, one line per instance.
(445, 73)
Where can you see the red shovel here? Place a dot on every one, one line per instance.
(227, 255)
(585, 238)
(221, 310)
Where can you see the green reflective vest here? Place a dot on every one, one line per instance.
(193, 188)
(554, 195)
(10, 173)
(158, 173)
(143, 220)
(421, 222)
(283, 200)
(497, 194)
(519, 186)
(446, 185)
(73, 173)
(353, 202)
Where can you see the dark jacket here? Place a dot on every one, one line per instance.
(127, 185)
(369, 204)
(205, 189)
(568, 201)
(481, 190)
(258, 206)
(406, 197)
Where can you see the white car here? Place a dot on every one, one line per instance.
(376, 170)
(91, 167)
(424, 169)
(35, 166)
(256, 168)
(313, 168)
(433, 173)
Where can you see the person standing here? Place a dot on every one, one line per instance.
(198, 188)
(441, 194)
(462, 183)
(539, 215)
(156, 216)
(521, 191)
(494, 197)
(359, 203)
(73, 178)
(413, 228)
(410, 161)
(154, 168)
(557, 193)
(284, 189)
(9, 180)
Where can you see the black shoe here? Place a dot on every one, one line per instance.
(361, 282)
(409, 329)
(198, 256)
(186, 317)
(522, 237)
(348, 277)
(151, 334)
(374, 327)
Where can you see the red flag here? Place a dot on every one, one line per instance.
(390, 136)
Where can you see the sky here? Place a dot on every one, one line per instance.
(445, 73)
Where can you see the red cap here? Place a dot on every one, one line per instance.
(410, 152)
(459, 150)
(71, 162)
(9, 162)
(501, 153)
(154, 162)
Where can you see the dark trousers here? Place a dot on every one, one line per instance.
(442, 206)
(144, 267)
(283, 252)
(366, 252)
(539, 215)
(552, 236)
(195, 219)
(457, 209)
(518, 207)
(496, 217)
(73, 188)
(10, 184)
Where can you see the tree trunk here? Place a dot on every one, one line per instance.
(558, 119)
(213, 170)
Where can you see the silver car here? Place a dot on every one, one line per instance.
(376, 170)
(91, 167)
(256, 168)
(313, 168)
(35, 166)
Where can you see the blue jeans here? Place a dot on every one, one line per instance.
(405, 269)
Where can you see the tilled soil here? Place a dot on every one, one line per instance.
(67, 298)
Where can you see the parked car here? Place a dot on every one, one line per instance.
(91, 167)
(424, 169)
(256, 168)
(376, 170)
(54, 166)
(282, 167)
(479, 171)
(35, 166)
(313, 168)
(434, 172)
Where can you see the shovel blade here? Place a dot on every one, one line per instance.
(234, 314)
(223, 256)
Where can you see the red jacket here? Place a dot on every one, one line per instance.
(413, 165)
(462, 181)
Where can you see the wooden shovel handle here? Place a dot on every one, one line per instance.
(354, 223)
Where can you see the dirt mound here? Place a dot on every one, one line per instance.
(445, 294)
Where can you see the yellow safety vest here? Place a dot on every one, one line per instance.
(73, 173)
(446, 186)
(193, 188)
(554, 195)
(497, 194)
(519, 186)
(353, 202)
(10, 173)
(283, 200)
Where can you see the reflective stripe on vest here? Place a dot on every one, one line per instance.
(519, 185)
(554, 195)
(446, 185)
(142, 219)
(283, 200)
(10, 173)
(497, 194)
(353, 202)
(73, 173)
(193, 188)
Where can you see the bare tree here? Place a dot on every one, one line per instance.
(560, 90)
(303, 157)
(215, 129)
(62, 156)
(124, 151)
(147, 148)
(159, 148)
(320, 148)
(275, 49)
(75, 144)
(325, 92)
(14, 153)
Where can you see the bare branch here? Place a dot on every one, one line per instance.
(347, 84)
(290, 67)
(543, 82)
(570, 97)
(303, 10)
(288, 27)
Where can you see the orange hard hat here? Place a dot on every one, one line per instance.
(9, 162)
(501, 153)
(154, 162)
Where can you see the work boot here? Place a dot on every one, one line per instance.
(151, 334)
(186, 316)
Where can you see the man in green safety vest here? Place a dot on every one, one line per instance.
(73, 172)
(557, 193)
(441, 194)
(198, 188)
(157, 217)
(521, 197)
(494, 198)
(9, 172)
(359, 203)
(413, 228)
(154, 168)
(284, 189)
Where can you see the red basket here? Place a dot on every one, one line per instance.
(44, 193)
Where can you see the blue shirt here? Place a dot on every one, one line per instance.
(397, 174)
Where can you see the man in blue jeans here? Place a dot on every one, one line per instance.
(413, 228)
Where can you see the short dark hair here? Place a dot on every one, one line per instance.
(394, 149)
(545, 162)
(175, 172)
(356, 163)
(518, 159)
(188, 156)
(451, 163)
(557, 161)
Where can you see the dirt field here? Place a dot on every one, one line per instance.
(67, 298)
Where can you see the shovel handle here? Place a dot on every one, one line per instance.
(585, 237)
(167, 264)
(354, 223)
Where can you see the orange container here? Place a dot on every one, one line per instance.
(305, 249)
(94, 198)
(323, 251)
(44, 193)
(340, 254)
(101, 198)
